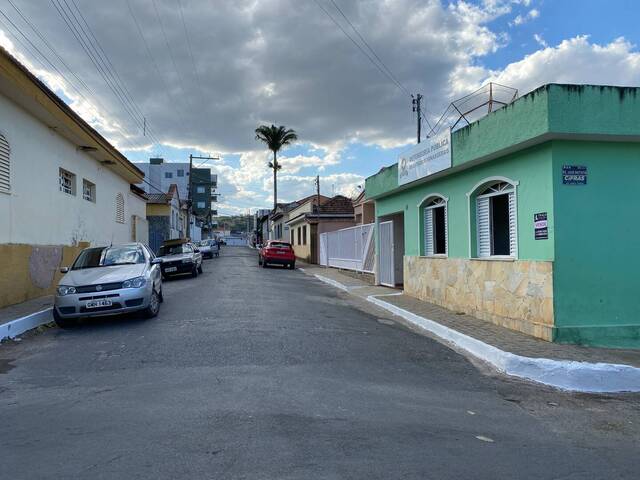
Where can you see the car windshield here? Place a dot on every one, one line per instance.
(108, 256)
(205, 243)
(173, 250)
(280, 245)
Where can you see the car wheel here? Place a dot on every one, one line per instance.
(161, 296)
(264, 263)
(63, 322)
(200, 269)
(292, 266)
(259, 260)
(194, 272)
(154, 305)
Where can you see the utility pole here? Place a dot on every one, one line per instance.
(318, 193)
(416, 101)
(189, 189)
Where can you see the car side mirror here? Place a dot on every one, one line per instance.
(64, 269)
(156, 261)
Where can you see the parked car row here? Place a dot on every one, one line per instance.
(210, 247)
(277, 253)
(123, 278)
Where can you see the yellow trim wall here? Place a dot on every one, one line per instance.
(32, 271)
(158, 209)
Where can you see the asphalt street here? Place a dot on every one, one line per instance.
(252, 373)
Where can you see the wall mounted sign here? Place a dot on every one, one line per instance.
(574, 175)
(429, 157)
(540, 226)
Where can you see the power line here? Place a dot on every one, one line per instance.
(364, 52)
(186, 34)
(387, 70)
(99, 63)
(83, 44)
(153, 61)
(114, 71)
(166, 41)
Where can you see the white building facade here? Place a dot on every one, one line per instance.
(62, 186)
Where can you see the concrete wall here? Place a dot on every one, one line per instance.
(597, 241)
(36, 212)
(516, 295)
(34, 270)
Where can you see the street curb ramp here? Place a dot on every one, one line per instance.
(562, 374)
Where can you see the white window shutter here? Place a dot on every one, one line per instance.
(446, 230)
(5, 165)
(483, 223)
(428, 231)
(513, 230)
(120, 208)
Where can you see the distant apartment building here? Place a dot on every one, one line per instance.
(160, 175)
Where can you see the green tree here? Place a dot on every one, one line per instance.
(275, 138)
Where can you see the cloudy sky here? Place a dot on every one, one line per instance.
(205, 73)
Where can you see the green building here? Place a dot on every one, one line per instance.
(530, 220)
(201, 192)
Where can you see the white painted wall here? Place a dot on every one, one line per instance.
(36, 212)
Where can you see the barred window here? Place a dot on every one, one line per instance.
(120, 208)
(66, 181)
(88, 190)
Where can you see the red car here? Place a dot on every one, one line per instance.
(275, 252)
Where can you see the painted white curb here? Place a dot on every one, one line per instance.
(20, 325)
(562, 374)
(331, 282)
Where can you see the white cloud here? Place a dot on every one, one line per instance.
(575, 60)
(539, 40)
(521, 19)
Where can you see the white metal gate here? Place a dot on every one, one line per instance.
(350, 248)
(385, 260)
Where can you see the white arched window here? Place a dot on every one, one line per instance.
(120, 208)
(5, 165)
(435, 231)
(496, 220)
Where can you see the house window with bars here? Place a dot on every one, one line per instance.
(435, 226)
(5, 165)
(496, 221)
(66, 182)
(88, 190)
(120, 208)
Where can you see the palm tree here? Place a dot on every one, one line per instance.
(275, 138)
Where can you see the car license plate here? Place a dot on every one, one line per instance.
(171, 269)
(281, 253)
(99, 303)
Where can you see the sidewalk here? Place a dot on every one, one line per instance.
(19, 318)
(569, 367)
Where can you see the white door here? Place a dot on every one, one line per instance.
(386, 262)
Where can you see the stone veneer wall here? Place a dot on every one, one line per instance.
(514, 294)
